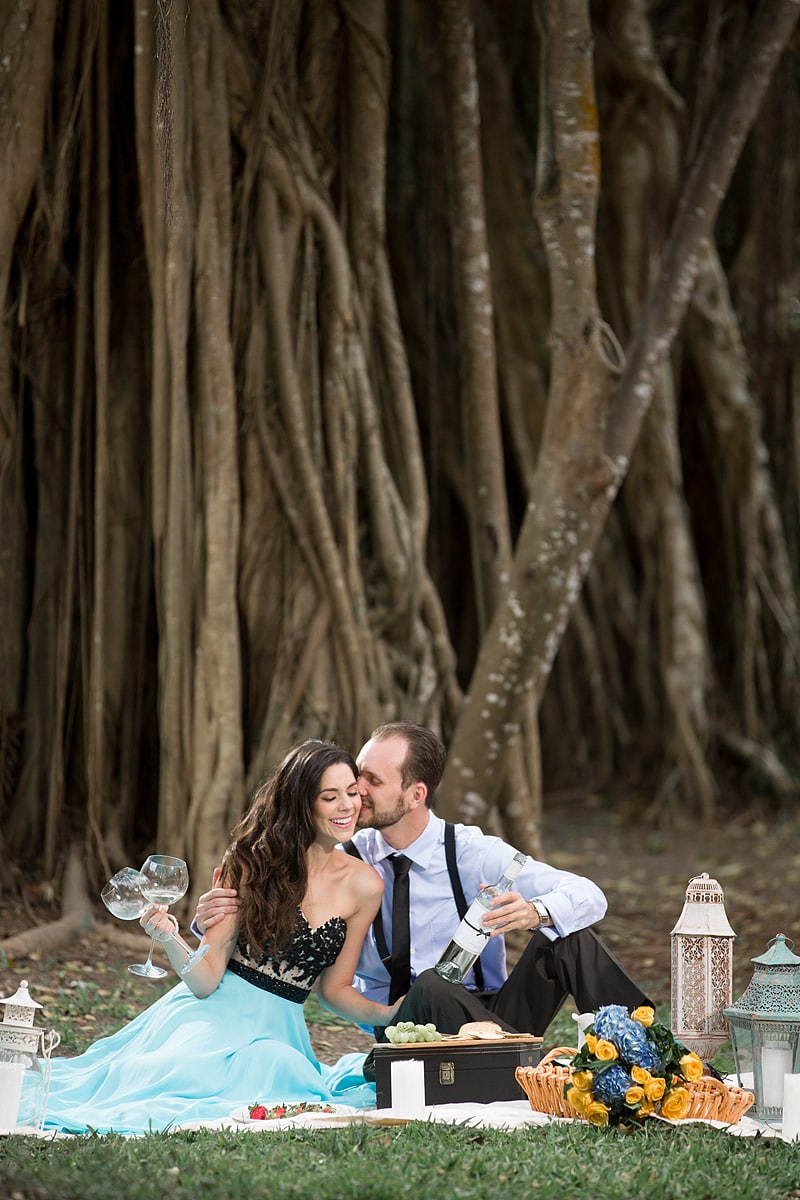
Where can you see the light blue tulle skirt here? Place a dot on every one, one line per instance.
(185, 1060)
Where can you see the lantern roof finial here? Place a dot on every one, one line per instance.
(20, 1008)
(704, 910)
(778, 953)
(773, 994)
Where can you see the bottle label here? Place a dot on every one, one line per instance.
(471, 934)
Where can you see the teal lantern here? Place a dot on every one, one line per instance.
(765, 1027)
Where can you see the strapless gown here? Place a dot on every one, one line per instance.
(185, 1059)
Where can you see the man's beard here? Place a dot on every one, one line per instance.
(373, 820)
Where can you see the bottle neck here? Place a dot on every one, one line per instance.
(506, 883)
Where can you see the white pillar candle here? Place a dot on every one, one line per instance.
(408, 1088)
(791, 1108)
(583, 1020)
(10, 1092)
(776, 1061)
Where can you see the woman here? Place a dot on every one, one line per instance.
(233, 1032)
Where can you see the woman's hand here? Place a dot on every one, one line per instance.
(158, 923)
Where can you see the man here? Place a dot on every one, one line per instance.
(400, 768)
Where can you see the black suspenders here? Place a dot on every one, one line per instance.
(458, 896)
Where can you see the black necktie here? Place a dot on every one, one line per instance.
(401, 930)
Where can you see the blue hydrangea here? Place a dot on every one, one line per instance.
(610, 1086)
(635, 1048)
(610, 1021)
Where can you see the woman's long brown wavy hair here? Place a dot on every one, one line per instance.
(266, 862)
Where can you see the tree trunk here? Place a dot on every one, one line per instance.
(587, 445)
(313, 411)
(26, 54)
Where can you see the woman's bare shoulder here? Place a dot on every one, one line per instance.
(364, 878)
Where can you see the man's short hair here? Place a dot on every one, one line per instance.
(425, 755)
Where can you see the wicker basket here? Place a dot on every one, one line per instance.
(711, 1100)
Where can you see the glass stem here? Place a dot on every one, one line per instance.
(149, 963)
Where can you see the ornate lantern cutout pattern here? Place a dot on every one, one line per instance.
(702, 969)
(765, 1027)
(24, 1048)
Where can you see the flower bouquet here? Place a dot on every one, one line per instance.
(629, 1068)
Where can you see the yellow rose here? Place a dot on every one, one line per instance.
(691, 1067)
(639, 1075)
(596, 1113)
(646, 1108)
(645, 1015)
(675, 1104)
(654, 1089)
(582, 1080)
(605, 1051)
(634, 1095)
(578, 1099)
(591, 1042)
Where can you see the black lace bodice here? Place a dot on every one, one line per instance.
(291, 972)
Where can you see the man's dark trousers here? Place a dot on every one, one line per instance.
(578, 965)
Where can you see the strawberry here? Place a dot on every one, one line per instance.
(258, 1113)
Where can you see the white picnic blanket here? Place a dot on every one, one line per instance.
(500, 1114)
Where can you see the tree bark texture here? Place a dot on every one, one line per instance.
(363, 361)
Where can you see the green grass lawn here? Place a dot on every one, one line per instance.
(426, 1162)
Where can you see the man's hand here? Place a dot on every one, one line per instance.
(214, 906)
(510, 911)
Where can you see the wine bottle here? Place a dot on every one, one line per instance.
(471, 937)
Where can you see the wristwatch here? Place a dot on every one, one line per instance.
(544, 915)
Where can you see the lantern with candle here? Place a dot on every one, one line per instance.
(24, 1051)
(702, 969)
(765, 1026)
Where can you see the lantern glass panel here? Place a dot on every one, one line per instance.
(34, 1080)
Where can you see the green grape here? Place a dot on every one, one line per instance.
(406, 1032)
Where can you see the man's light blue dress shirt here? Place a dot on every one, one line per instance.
(572, 901)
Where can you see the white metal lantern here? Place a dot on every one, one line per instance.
(765, 1026)
(24, 1052)
(702, 969)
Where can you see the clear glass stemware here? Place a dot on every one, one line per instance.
(128, 895)
(164, 879)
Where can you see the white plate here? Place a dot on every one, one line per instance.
(242, 1117)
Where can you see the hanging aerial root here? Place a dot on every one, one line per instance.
(76, 916)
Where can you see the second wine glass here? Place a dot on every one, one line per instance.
(163, 880)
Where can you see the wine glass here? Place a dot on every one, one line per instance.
(163, 880)
(124, 896)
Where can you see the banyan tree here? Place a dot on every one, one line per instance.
(368, 359)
